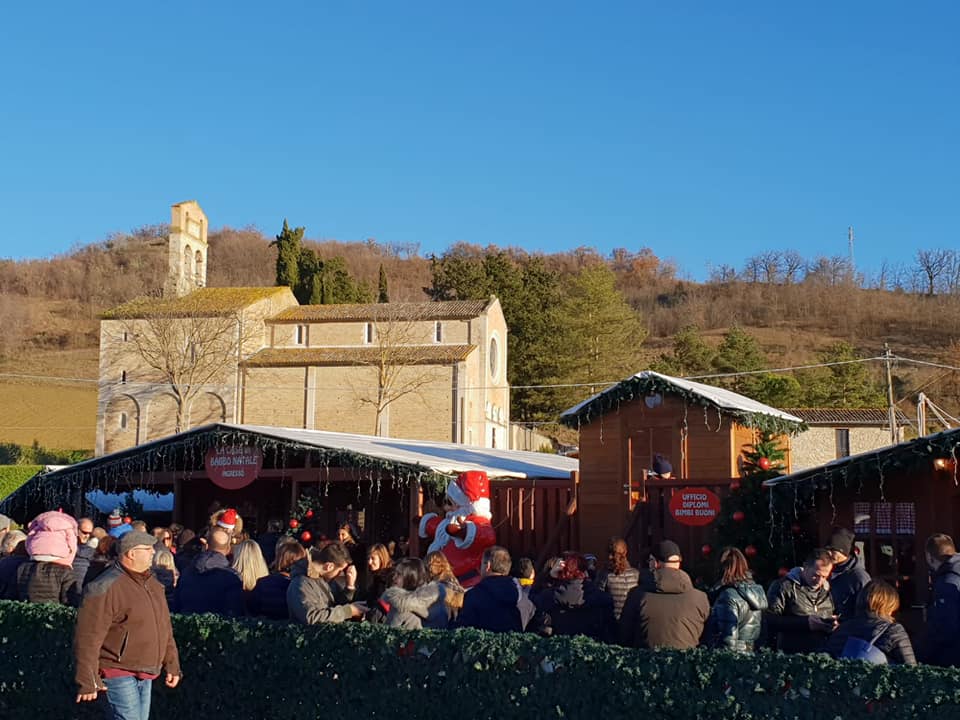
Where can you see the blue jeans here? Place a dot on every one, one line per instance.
(128, 698)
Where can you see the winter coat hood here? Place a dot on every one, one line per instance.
(210, 560)
(52, 537)
(752, 594)
(796, 577)
(666, 580)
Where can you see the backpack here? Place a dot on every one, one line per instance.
(858, 649)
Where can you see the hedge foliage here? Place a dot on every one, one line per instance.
(13, 476)
(252, 669)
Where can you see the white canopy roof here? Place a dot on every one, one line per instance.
(446, 458)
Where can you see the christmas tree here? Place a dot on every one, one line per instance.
(305, 517)
(761, 522)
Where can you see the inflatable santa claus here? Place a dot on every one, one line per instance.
(465, 531)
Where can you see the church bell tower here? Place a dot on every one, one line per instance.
(187, 263)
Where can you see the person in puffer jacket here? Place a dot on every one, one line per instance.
(736, 617)
(48, 575)
(619, 578)
(874, 619)
(800, 608)
(413, 600)
(574, 603)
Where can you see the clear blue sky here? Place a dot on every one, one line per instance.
(707, 131)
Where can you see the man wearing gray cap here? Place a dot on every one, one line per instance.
(665, 609)
(124, 640)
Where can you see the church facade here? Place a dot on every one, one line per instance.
(424, 371)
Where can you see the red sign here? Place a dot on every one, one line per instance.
(233, 467)
(694, 506)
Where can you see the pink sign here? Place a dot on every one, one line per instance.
(233, 467)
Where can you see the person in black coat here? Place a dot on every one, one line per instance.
(211, 584)
(11, 562)
(800, 610)
(942, 644)
(269, 597)
(848, 577)
(496, 603)
(874, 623)
(574, 603)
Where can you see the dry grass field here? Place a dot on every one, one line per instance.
(59, 414)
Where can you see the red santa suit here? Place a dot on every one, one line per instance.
(465, 532)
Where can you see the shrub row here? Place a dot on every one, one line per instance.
(13, 476)
(251, 669)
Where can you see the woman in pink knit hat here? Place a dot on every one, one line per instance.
(48, 575)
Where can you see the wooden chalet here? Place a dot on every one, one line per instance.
(381, 484)
(701, 429)
(893, 499)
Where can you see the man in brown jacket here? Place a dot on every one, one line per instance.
(664, 610)
(124, 639)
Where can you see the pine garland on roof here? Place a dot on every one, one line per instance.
(638, 387)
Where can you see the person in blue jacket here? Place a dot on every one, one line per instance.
(942, 646)
(210, 584)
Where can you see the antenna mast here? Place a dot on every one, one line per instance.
(853, 264)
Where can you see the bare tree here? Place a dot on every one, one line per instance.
(187, 350)
(792, 264)
(770, 263)
(399, 355)
(933, 264)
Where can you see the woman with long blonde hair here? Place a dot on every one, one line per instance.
(249, 563)
(440, 570)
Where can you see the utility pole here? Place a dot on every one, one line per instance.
(853, 264)
(891, 409)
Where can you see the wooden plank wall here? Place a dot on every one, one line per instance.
(527, 512)
(655, 523)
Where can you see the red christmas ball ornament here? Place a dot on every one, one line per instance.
(306, 536)
(294, 523)
(734, 486)
(308, 514)
(795, 528)
(127, 519)
(783, 572)
(706, 550)
(750, 551)
(739, 516)
(764, 463)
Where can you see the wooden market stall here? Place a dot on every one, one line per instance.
(702, 430)
(893, 499)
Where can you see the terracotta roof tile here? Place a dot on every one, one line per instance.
(451, 310)
(359, 355)
(205, 302)
(845, 416)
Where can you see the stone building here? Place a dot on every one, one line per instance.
(426, 371)
(834, 433)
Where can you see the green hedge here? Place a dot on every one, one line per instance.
(13, 476)
(251, 669)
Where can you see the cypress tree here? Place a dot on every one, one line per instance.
(383, 294)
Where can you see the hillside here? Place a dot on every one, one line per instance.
(50, 309)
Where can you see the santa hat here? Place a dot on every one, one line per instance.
(228, 521)
(471, 491)
(114, 520)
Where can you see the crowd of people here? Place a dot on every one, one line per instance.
(828, 604)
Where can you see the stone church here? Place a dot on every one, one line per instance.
(255, 356)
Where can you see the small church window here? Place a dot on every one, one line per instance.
(123, 377)
(126, 336)
(368, 334)
(301, 334)
(187, 261)
(843, 442)
(438, 332)
(123, 421)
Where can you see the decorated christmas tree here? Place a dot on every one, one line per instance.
(767, 525)
(304, 521)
